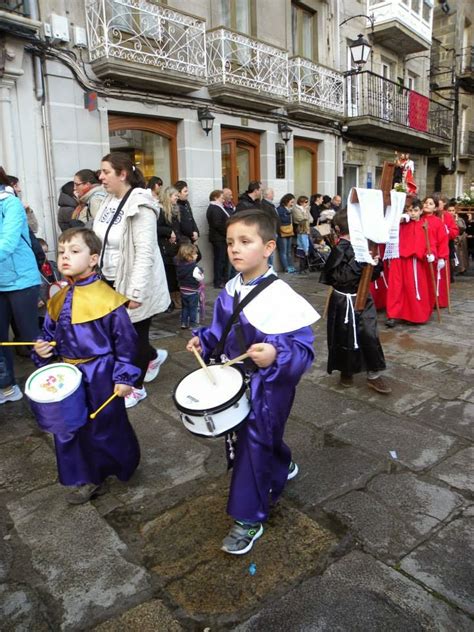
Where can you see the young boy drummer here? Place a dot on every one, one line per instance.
(88, 321)
(274, 328)
(353, 341)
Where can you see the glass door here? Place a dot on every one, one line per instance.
(240, 160)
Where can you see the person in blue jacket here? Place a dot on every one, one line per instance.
(19, 282)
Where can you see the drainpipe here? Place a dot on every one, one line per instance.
(41, 96)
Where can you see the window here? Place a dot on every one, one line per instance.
(427, 6)
(280, 160)
(411, 81)
(237, 15)
(303, 32)
(416, 6)
(305, 162)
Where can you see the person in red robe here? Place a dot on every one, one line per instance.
(379, 288)
(439, 246)
(408, 296)
(452, 231)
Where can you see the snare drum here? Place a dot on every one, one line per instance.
(57, 398)
(210, 410)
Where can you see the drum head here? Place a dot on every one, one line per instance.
(53, 383)
(197, 393)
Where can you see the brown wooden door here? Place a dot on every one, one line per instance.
(150, 142)
(240, 159)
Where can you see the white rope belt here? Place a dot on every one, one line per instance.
(438, 279)
(415, 274)
(350, 308)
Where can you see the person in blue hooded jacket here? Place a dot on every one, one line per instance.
(19, 282)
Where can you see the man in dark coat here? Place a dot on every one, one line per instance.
(217, 217)
(251, 198)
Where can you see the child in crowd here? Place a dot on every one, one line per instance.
(321, 246)
(273, 327)
(439, 244)
(353, 340)
(408, 295)
(190, 281)
(49, 275)
(301, 221)
(92, 329)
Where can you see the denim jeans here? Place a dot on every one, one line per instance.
(22, 305)
(284, 250)
(189, 309)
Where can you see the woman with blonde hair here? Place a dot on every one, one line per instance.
(168, 229)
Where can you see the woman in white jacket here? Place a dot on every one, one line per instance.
(130, 259)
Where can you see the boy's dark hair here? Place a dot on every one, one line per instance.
(416, 202)
(256, 217)
(340, 220)
(120, 161)
(87, 176)
(42, 241)
(254, 185)
(180, 185)
(90, 238)
(213, 195)
(187, 252)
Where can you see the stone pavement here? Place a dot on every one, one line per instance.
(375, 534)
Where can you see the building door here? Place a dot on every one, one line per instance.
(240, 159)
(351, 179)
(150, 142)
(305, 159)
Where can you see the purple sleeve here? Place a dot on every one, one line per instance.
(295, 354)
(123, 339)
(49, 328)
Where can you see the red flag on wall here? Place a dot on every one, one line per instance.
(418, 106)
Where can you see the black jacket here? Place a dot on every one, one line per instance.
(164, 230)
(245, 202)
(186, 220)
(67, 205)
(270, 209)
(217, 220)
(342, 271)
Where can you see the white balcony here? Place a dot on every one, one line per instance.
(242, 69)
(144, 43)
(315, 91)
(402, 25)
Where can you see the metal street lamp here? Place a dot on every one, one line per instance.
(206, 118)
(360, 51)
(285, 131)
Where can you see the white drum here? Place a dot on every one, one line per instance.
(210, 410)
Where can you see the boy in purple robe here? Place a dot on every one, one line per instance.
(274, 329)
(89, 322)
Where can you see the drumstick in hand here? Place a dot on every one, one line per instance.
(52, 343)
(204, 366)
(237, 359)
(102, 406)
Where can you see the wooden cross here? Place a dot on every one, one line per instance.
(366, 276)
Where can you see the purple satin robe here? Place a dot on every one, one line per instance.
(261, 457)
(107, 445)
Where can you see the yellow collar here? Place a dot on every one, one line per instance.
(89, 302)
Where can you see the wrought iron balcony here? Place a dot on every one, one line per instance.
(314, 90)
(402, 24)
(240, 68)
(140, 41)
(375, 106)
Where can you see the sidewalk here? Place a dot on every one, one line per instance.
(374, 535)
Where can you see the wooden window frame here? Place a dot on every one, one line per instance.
(312, 147)
(168, 129)
(235, 135)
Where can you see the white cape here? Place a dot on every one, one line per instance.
(276, 310)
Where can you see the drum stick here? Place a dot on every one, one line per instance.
(52, 343)
(96, 412)
(204, 366)
(237, 359)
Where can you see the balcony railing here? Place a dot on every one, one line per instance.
(315, 85)
(233, 58)
(368, 94)
(145, 32)
(13, 6)
(416, 15)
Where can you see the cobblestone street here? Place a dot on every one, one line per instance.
(375, 534)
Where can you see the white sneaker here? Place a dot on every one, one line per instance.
(135, 396)
(11, 394)
(155, 365)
